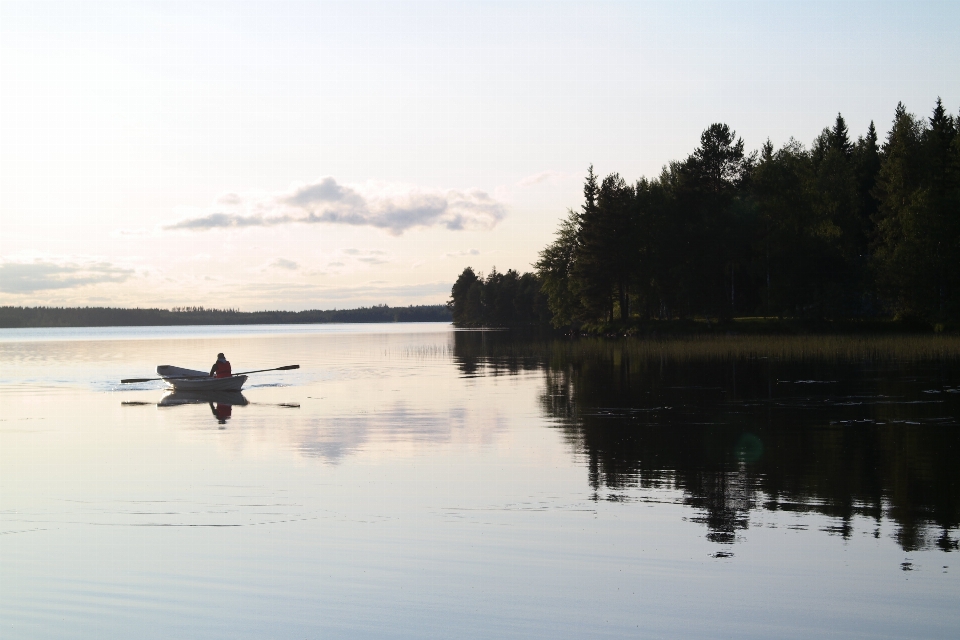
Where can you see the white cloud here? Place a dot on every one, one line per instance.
(28, 277)
(373, 256)
(460, 254)
(229, 199)
(395, 209)
(321, 296)
(537, 178)
(283, 263)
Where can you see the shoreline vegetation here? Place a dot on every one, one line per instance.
(502, 350)
(845, 236)
(41, 317)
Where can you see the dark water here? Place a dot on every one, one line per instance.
(874, 438)
(413, 481)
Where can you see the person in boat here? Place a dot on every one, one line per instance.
(221, 368)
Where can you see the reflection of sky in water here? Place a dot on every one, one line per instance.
(402, 484)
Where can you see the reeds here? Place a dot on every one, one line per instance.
(891, 348)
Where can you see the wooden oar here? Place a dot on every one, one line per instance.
(241, 373)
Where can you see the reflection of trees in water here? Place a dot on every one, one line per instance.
(842, 439)
(497, 352)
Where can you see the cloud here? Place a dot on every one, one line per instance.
(313, 296)
(28, 277)
(283, 263)
(229, 199)
(336, 264)
(537, 178)
(394, 209)
(460, 254)
(373, 256)
(225, 220)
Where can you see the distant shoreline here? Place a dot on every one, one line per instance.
(42, 317)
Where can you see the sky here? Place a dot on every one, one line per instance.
(318, 155)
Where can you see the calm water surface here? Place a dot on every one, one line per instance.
(413, 481)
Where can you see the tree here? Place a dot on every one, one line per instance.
(900, 254)
(866, 162)
(466, 303)
(842, 231)
(605, 250)
(555, 272)
(793, 237)
(711, 181)
(941, 207)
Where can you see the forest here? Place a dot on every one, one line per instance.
(843, 230)
(23, 317)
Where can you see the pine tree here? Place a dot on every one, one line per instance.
(712, 178)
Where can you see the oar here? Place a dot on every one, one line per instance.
(242, 373)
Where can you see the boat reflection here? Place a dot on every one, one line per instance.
(221, 402)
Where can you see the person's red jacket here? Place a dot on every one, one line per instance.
(223, 369)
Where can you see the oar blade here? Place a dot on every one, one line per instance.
(133, 380)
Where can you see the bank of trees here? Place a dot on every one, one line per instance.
(13, 317)
(498, 300)
(843, 229)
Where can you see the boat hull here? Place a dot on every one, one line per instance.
(192, 380)
(233, 383)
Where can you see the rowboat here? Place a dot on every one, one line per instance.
(192, 380)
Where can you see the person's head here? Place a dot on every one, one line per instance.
(220, 356)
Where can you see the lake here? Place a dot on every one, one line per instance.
(410, 480)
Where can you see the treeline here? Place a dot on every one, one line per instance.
(499, 300)
(13, 317)
(845, 229)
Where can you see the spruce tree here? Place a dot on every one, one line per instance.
(900, 255)
(602, 263)
(840, 137)
(938, 204)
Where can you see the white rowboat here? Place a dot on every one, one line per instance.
(192, 380)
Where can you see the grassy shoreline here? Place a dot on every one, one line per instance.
(760, 326)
